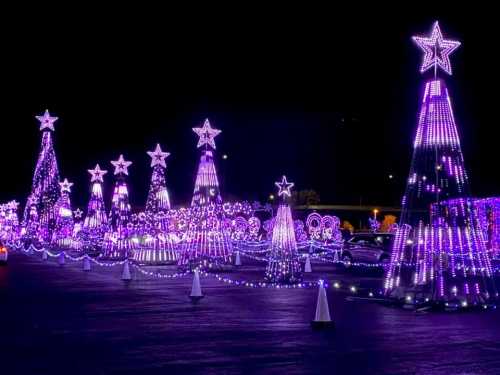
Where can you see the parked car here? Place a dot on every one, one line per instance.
(4, 254)
(367, 248)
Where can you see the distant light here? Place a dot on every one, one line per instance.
(271, 196)
(224, 156)
(353, 289)
(391, 177)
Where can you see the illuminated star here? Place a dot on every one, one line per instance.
(13, 205)
(121, 166)
(158, 156)
(65, 186)
(78, 213)
(97, 174)
(437, 50)
(284, 187)
(46, 121)
(206, 134)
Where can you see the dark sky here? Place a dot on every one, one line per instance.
(327, 97)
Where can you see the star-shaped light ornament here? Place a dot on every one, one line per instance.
(46, 121)
(121, 165)
(437, 50)
(206, 134)
(65, 186)
(284, 187)
(158, 157)
(97, 174)
(13, 205)
(78, 213)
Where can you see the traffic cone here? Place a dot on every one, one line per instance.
(336, 257)
(86, 263)
(45, 256)
(307, 266)
(237, 261)
(62, 259)
(196, 293)
(126, 276)
(322, 317)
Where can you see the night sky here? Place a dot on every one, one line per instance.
(327, 97)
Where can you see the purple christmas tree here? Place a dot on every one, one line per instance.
(439, 252)
(78, 217)
(157, 245)
(205, 238)
(45, 189)
(206, 187)
(118, 238)
(283, 265)
(63, 231)
(95, 224)
(158, 202)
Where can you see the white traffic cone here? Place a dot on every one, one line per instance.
(336, 256)
(237, 260)
(196, 293)
(62, 259)
(126, 276)
(307, 266)
(322, 317)
(45, 255)
(86, 263)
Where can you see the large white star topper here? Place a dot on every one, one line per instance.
(206, 134)
(46, 120)
(121, 165)
(284, 187)
(97, 174)
(437, 50)
(158, 156)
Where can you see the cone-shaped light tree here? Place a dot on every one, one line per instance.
(439, 252)
(117, 239)
(63, 232)
(78, 217)
(45, 190)
(95, 224)
(205, 239)
(283, 266)
(206, 187)
(158, 202)
(157, 246)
